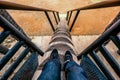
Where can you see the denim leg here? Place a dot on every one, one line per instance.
(74, 71)
(51, 70)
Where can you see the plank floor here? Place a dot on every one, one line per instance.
(80, 43)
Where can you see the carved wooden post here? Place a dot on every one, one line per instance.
(61, 39)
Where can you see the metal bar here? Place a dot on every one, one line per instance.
(69, 17)
(103, 4)
(8, 26)
(15, 64)
(74, 20)
(58, 16)
(3, 49)
(55, 17)
(3, 35)
(49, 21)
(116, 41)
(105, 36)
(101, 66)
(117, 17)
(15, 6)
(7, 16)
(91, 69)
(110, 59)
(9, 54)
(28, 69)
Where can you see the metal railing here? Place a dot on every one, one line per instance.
(15, 6)
(7, 16)
(111, 33)
(103, 4)
(23, 41)
(98, 45)
(10, 27)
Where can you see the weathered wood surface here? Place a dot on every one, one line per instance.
(62, 45)
(80, 43)
(28, 69)
(88, 22)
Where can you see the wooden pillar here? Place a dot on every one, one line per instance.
(61, 39)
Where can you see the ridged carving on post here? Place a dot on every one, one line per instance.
(61, 39)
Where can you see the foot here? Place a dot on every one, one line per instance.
(54, 54)
(68, 56)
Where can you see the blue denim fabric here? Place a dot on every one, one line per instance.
(74, 71)
(51, 70)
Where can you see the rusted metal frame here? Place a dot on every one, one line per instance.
(74, 20)
(47, 15)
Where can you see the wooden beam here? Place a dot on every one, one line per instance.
(103, 4)
(16, 6)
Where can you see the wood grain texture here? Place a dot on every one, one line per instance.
(89, 21)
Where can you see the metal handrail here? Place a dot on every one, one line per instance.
(103, 4)
(16, 6)
(98, 45)
(115, 28)
(46, 13)
(6, 15)
(8, 26)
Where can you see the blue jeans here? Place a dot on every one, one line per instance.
(51, 71)
(74, 71)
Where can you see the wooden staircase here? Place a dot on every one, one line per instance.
(28, 64)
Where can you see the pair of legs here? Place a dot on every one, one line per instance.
(52, 69)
